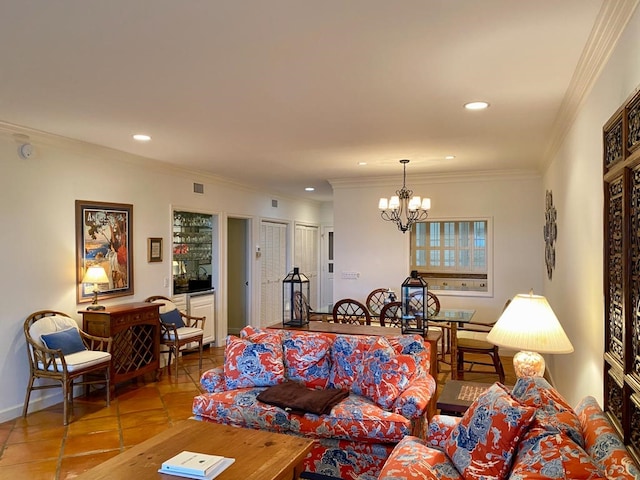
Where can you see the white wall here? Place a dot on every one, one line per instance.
(575, 177)
(366, 244)
(37, 236)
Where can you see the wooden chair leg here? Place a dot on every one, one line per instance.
(25, 408)
(498, 366)
(107, 377)
(65, 400)
(460, 366)
(177, 355)
(200, 359)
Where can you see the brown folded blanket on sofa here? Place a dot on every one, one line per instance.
(297, 398)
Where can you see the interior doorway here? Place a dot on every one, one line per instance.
(238, 274)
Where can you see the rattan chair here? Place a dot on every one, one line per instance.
(348, 310)
(391, 315)
(376, 299)
(82, 367)
(176, 339)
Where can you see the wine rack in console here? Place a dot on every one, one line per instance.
(135, 332)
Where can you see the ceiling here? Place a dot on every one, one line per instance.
(285, 94)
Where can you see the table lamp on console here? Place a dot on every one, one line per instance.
(529, 324)
(95, 275)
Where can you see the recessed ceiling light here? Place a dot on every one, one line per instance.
(449, 157)
(309, 189)
(362, 163)
(476, 105)
(141, 137)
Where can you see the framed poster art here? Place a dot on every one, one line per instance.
(104, 238)
(154, 249)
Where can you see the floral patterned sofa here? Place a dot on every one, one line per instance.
(390, 393)
(528, 433)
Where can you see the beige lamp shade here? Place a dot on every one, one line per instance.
(95, 274)
(528, 323)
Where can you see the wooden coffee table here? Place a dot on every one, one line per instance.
(259, 455)
(458, 395)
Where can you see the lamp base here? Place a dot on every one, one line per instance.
(95, 307)
(528, 364)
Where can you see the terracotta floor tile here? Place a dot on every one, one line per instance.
(71, 467)
(38, 470)
(30, 451)
(179, 413)
(140, 404)
(92, 442)
(98, 424)
(36, 433)
(135, 435)
(145, 417)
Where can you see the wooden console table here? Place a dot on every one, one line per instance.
(135, 330)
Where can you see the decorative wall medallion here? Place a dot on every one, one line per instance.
(550, 234)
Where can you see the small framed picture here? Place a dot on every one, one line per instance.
(154, 249)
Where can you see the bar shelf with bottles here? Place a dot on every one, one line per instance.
(192, 251)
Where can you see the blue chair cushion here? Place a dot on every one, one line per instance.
(68, 341)
(172, 316)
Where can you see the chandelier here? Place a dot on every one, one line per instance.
(403, 208)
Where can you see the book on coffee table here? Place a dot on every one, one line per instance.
(200, 466)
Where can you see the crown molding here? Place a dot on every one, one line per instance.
(433, 178)
(609, 25)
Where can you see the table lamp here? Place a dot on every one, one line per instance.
(529, 324)
(95, 275)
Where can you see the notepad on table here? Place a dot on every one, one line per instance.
(200, 466)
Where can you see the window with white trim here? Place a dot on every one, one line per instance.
(453, 254)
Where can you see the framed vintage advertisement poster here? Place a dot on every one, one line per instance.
(104, 238)
(154, 249)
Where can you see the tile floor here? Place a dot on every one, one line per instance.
(40, 447)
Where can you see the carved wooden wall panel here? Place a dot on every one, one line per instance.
(621, 167)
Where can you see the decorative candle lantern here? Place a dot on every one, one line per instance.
(295, 299)
(414, 299)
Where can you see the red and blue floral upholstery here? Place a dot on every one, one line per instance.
(413, 458)
(602, 443)
(389, 382)
(555, 443)
(251, 364)
(482, 445)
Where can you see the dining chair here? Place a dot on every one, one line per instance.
(433, 308)
(58, 350)
(391, 315)
(301, 298)
(348, 310)
(472, 340)
(375, 300)
(178, 330)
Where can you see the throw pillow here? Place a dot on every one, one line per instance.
(306, 358)
(347, 353)
(543, 455)
(482, 445)
(552, 411)
(248, 364)
(69, 341)
(172, 316)
(384, 374)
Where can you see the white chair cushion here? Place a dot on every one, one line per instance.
(80, 360)
(165, 305)
(51, 324)
(185, 332)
